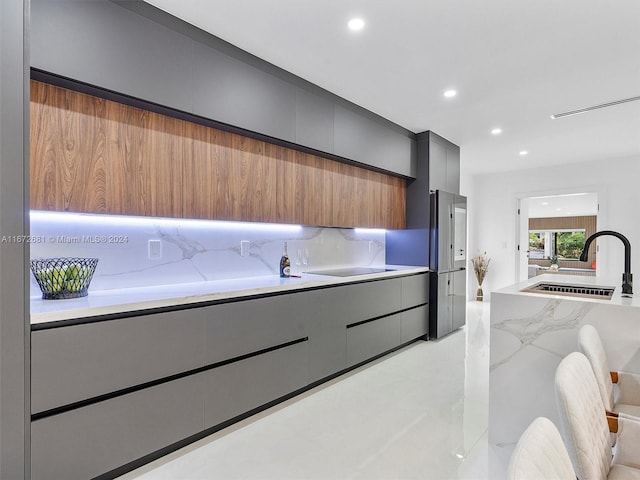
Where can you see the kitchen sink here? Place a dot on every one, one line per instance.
(584, 291)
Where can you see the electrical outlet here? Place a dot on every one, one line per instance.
(244, 248)
(154, 249)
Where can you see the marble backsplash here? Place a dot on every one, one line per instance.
(192, 250)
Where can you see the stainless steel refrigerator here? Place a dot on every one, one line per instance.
(447, 261)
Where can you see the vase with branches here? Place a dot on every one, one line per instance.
(480, 266)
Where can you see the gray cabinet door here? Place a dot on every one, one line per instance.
(363, 139)
(453, 170)
(241, 386)
(372, 299)
(109, 46)
(314, 121)
(414, 323)
(445, 304)
(95, 439)
(415, 290)
(77, 362)
(324, 313)
(240, 328)
(369, 339)
(459, 299)
(437, 166)
(234, 92)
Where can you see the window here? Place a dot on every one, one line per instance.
(565, 244)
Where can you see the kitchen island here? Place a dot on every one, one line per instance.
(530, 334)
(120, 378)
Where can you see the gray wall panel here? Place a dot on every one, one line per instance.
(103, 44)
(14, 201)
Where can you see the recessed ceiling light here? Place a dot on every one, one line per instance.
(558, 209)
(356, 24)
(545, 203)
(450, 93)
(496, 131)
(523, 152)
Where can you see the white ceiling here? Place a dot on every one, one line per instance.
(574, 205)
(513, 63)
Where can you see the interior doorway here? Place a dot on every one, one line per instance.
(551, 230)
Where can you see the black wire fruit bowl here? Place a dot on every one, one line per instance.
(66, 277)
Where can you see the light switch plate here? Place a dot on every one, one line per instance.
(155, 249)
(244, 248)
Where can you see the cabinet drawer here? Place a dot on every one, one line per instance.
(372, 338)
(240, 386)
(372, 299)
(235, 329)
(324, 322)
(95, 439)
(415, 290)
(74, 363)
(414, 324)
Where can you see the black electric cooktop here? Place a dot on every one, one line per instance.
(351, 271)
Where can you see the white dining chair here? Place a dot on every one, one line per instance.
(620, 391)
(585, 426)
(540, 454)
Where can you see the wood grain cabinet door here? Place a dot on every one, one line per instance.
(93, 155)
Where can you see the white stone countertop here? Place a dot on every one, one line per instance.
(588, 281)
(107, 302)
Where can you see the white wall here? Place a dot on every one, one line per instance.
(492, 213)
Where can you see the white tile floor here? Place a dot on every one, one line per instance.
(419, 413)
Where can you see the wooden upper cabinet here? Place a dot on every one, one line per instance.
(92, 155)
(97, 156)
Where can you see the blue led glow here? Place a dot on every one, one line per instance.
(124, 220)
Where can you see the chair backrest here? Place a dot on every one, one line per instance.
(591, 346)
(540, 454)
(582, 418)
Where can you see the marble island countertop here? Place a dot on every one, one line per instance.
(588, 281)
(113, 302)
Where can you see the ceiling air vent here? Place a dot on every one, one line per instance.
(595, 107)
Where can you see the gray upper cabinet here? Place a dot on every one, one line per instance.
(444, 164)
(453, 170)
(102, 44)
(367, 141)
(233, 92)
(314, 121)
(133, 48)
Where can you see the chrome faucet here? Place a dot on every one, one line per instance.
(627, 278)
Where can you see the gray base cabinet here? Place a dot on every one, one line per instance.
(369, 339)
(239, 387)
(86, 442)
(414, 323)
(146, 382)
(82, 361)
(324, 313)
